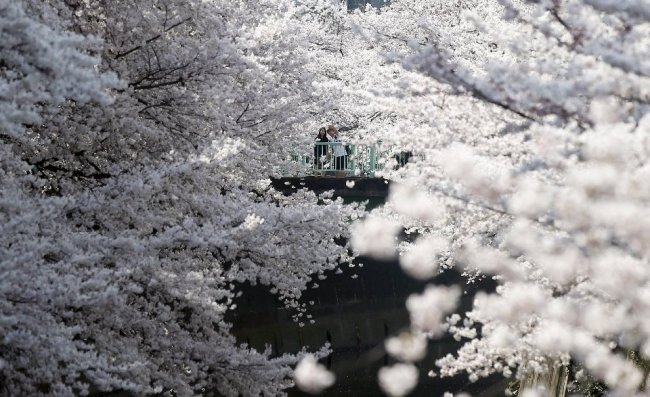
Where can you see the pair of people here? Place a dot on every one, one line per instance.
(326, 138)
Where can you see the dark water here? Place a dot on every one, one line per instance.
(356, 315)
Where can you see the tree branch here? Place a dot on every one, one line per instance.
(154, 38)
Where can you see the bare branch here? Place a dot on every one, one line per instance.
(154, 38)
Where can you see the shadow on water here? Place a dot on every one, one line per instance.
(355, 311)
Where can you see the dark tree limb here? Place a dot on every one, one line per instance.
(152, 39)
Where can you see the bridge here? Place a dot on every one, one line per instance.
(358, 176)
(317, 159)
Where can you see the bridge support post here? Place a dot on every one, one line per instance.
(373, 160)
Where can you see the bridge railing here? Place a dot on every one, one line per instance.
(360, 159)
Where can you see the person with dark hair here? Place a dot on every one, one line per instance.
(402, 158)
(320, 149)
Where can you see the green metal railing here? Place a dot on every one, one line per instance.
(360, 159)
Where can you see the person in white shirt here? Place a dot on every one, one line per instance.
(340, 155)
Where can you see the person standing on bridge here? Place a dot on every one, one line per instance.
(320, 150)
(340, 154)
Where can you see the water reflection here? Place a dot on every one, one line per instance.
(355, 315)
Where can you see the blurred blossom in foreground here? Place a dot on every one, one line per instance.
(312, 377)
(375, 237)
(398, 380)
(407, 347)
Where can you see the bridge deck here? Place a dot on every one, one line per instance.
(342, 186)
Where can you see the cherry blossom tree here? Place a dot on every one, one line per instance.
(549, 199)
(137, 140)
